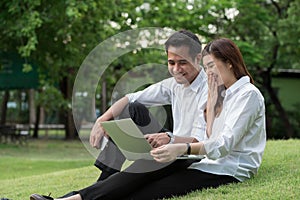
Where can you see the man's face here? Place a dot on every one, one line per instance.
(181, 66)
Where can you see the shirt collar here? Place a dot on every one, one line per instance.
(199, 81)
(242, 81)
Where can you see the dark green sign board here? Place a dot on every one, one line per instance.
(12, 75)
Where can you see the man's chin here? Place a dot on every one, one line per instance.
(181, 80)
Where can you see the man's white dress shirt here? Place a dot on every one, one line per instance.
(187, 103)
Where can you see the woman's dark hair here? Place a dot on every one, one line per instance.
(185, 38)
(225, 50)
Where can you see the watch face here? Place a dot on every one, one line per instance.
(170, 134)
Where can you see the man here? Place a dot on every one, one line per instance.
(186, 92)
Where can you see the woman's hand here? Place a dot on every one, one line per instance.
(169, 152)
(212, 91)
(211, 101)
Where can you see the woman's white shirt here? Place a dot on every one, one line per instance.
(238, 137)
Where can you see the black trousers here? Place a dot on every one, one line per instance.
(111, 158)
(172, 180)
(148, 179)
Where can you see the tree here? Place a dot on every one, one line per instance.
(4, 107)
(58, 35)
(267, 32)
(264, 29)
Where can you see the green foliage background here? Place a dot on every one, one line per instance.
(57, 35)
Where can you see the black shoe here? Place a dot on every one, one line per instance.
(5, 199)
(40, 197)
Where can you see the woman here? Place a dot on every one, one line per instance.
(234, 148)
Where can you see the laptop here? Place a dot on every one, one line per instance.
(130, 140)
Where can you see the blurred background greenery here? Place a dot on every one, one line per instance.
(43, 44)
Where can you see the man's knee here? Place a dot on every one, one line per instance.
(139, 113)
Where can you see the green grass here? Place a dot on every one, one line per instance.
(40, 157)
(56, 166)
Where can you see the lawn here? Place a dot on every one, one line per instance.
(57, 167)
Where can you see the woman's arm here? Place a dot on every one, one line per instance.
(170, 152)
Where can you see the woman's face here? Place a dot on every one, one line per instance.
(220, 68)
(211, 68)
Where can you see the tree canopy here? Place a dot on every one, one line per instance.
(58, 35)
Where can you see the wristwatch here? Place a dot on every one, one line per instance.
(171, 136)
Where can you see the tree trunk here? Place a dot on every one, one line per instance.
(103, 95)
(41, 115)
(71, 132)
(267, 80)
(31, 102)
(93, 111)
(36, 124)
(266, 75)
(70, 129)
(4, 107)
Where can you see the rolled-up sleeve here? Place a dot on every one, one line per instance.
(154, 95)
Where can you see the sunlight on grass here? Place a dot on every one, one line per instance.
(57, 183)
(42, 156)
(60, 167)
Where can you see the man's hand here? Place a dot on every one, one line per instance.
(157, 139)
(96, 134)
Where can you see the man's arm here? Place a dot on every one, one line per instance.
(159, 139)
(97, 131)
